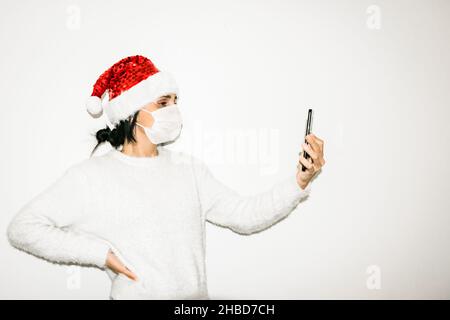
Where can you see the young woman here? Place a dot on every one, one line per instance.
(138, 212)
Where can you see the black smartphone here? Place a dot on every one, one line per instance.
(308, 131)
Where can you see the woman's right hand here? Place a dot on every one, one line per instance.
(117, 266)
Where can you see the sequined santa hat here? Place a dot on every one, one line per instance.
(130, 84)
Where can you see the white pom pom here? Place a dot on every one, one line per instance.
(94, 105)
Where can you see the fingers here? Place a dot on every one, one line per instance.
(318, 140)
(117, 266)
(310, 151)
(306, 162)
(129, 274)
(315, 138)
(315, 143)
(121, 268)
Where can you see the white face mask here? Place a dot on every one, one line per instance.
(166, 126)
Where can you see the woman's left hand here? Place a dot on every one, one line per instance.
(313, 164)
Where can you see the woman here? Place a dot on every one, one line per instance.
(139, 213)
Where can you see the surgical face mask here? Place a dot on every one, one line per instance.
(166, 126)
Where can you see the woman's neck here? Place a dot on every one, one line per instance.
(140, 150)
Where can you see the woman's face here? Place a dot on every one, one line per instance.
(145, 118)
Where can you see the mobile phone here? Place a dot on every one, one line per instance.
(308, 131)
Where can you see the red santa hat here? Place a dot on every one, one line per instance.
(130, 83)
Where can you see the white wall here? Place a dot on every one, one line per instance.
(375, 72)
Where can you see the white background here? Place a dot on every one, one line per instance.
(376, 74)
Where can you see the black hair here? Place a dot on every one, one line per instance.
(122, 132)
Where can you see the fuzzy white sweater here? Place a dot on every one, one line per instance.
(151, 211)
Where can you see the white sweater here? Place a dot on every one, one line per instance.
(151, 212)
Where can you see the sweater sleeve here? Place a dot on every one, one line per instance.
(42, 227)
(247, 214)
